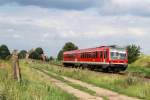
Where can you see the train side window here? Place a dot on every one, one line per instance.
(101, 54)
(105, 54)
(90, 55)
(93, 55)
(96, 54)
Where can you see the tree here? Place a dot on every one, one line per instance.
(22, 54)
(39, 50)
(51, 58)
(36, 53)
(133, 52)
(67, 47)
(4, 52)
(60, 55)
(40, 53)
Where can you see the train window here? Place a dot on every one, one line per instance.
(88, 56)
(105, 54)
(82, 55)
(96, 54)
(93, 55)
(85, 55)
(101, 54)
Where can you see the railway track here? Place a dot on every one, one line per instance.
(126, 73)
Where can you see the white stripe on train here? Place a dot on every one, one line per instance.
(94, 63)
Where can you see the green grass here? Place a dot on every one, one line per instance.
(32, 87)
(129, 85)
(142, 61)
(140, 66)
(141, 71)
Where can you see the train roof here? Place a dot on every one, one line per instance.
(93, 49)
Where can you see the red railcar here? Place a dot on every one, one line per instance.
(108, 58)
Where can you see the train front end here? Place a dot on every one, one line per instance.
(118, 58)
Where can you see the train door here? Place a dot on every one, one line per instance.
(101, 56)
(105, 55)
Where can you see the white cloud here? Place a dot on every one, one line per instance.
(45, 35)
(73, 24)
(35, 25)
(16, 36)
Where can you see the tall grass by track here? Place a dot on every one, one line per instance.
(32, 87)
(129, 85)
(140, 66)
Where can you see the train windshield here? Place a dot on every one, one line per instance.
(118, 55)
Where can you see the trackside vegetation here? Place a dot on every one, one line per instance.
(129, 85)
(32, 87)
(133, 53)
(141, 66)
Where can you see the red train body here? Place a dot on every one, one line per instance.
(108, 58)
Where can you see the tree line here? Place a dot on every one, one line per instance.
(38, 53)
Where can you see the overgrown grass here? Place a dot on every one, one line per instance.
(32, 87)
(142, 61)
(141, 66)
(129, 85)
(141, 71)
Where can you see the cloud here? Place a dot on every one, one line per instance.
(60, 4)
(104, 7)
(16, 36)
(65, 24)
(126, 7)
(33, 26)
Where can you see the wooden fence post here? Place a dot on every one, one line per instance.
(43, 57)
(15, 66)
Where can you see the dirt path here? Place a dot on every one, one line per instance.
(80, 94)
(100, 91)
(111, 95)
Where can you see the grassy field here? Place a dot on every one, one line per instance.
(129, 85)
(32, 87)
(141, 66)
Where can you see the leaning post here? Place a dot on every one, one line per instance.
(15, 66)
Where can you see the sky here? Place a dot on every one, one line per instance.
(26, 24)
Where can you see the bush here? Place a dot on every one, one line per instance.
(133, 52)
(4, 52)
(22, 54)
